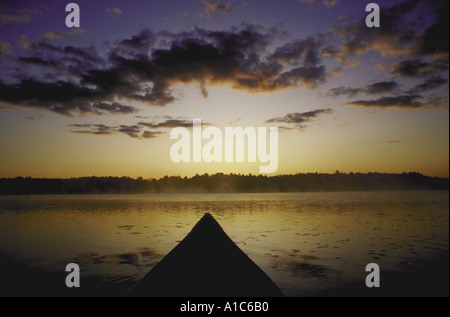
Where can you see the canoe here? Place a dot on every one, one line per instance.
(207, 263)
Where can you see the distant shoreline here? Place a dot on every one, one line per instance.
(224, 183)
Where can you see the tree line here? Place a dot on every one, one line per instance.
(222, 183)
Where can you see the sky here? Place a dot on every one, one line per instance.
(101, 99)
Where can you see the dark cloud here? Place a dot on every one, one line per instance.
(139, 43)
(298, 119)
(97, 129)
(416, 67)
(37, 61)
(430, 83)
(49, 63)
(145, 67)
(133, 131)
(380, 87)
(329, 51)
(411, 99)
(376, 88)
(282, 128)
(436, 37)
(150, 134)
(402, 101)
(415, 29)
(71, 61)
(340, 91)
(300, 76)
(57, 97)
(113, 107)
(60, 97)
(306, 52)
(411, 27)
(137, 130)
(169, 123)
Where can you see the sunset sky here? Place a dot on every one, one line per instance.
(102, 99)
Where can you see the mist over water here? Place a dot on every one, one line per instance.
(306, 242)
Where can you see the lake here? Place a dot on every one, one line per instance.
(310, 244)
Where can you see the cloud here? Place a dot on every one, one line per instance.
(137, 130)
(401, 32)
(144, 68)
(133, 131)
(235, 121)
(430, 83)
(330, 3)
(36, 61)
(305, 52)
(151, 134)
(337, 72)
(57, 97)
(75, 32)
(97, 129)
(402, 102)
(347, 91)
(23, 41)
(52, 35)
(298, 119)
(416, 67)
(415, 40)
(113, 11)
(12, 11)
(61, 97)
(435, 38)
(213, 7)
(170, 123)
(113, 107)
(376, 88)
(380, 87)
(5, 48)
(300, 76)
(140, 43)
(438, 102)
(57, 63)
(410, 99)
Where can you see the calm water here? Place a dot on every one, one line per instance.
(306, 242)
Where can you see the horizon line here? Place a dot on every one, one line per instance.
(337, 172)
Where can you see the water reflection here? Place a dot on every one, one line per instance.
(306, 242)
(140, 257)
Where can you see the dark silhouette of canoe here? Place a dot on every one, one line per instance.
(207, 263)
